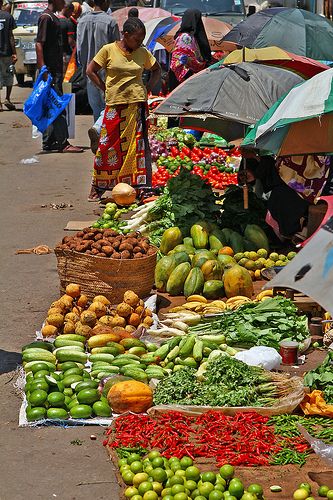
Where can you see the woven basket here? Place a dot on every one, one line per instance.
(104, 275)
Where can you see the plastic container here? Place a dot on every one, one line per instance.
(289, 352)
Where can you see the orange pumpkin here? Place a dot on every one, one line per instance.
(130, 396)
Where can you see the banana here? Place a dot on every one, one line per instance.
(265, 298)
(193, 305)
(218, 303)
(197, 298)
(264, 293)
(177, 309)
(212, 310)
(237, 298)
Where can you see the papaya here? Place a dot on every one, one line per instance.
(170, 239)
(237, 281)
(163, 269)
(215, 243)
(183, 248)
(257, 235)
(202, 256)
(194, 282)
(226, 233)
(199, 235)
(213, 289)
(176, 281)
(211, 270)
(224, 260)
(180, 257)
(205, 224)
(188, 241)
(236, 242)
(249, 246)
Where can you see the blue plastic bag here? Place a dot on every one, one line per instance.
(44, 105)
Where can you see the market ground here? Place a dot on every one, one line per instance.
(40, 463)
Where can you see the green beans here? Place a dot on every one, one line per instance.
(288, 456)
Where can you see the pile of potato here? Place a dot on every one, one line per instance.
(108, 243)
(74, 314)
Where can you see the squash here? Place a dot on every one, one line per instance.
(123, 194)
(237, 281)
(130, 395)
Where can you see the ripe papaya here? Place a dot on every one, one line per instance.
(176, 281)
(211, 270)
(163, 269)
(237, 281)
(224, 260)
(213, 289)
(202, 256)
(257, 235)
(236, 242)
(194, 282)
(199, 235)
(170, 239)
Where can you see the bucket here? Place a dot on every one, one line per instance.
(289, 352)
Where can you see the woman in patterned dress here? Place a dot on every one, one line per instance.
(123, 152)
(192, 52)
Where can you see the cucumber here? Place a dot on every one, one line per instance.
(59, 342)
(112, 370)
(69, 348)
(69, 364)
(101, 357)
(37, 354)
(35, 366)
(71, 379)
(104, 374)
(72, 336)
(57, 413)
(129, 356)
(124, 361)
(40, 344)
(71, 355)
(135, 373)
(81, 411)
(88, 396)
(73, 371)
(106, 350)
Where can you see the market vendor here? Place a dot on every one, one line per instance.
(290, 184)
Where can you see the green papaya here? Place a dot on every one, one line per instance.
(176, 281)
(211, 270)
(199, 235)
(224, 260)
(194, 282)
(170, 239)
(188, 241)
(236, 242)
(226, 233)
(163, 269)
(215, 243)
(257, 235)
(213, 289)
(201, 257)
(180, 257)
(183, 248)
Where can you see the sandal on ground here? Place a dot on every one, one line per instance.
(9, 105)
(71, 149)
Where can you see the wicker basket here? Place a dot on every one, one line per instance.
(104, 275)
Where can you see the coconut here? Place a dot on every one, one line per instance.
(131, 298)
(69, 327)
(139, 310)
(124, 309)
(88, 318)
(49, 331)
(99, 309)
(123, 194)
(55, 320)
(84, 330)
(101, 298)
(77, 310)
(82, 301)
(73, 290)
(58, 305)
(148, 312)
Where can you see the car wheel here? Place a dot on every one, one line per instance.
(20, 78)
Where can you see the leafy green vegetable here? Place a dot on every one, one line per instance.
(266, 323)
(321, 378)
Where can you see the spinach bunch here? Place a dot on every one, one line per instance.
(321, 378)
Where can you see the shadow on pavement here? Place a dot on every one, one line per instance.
(9, 361)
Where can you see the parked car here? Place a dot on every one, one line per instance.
(26, 16)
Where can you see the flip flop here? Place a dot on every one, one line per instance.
(71, 149)
(9, 105)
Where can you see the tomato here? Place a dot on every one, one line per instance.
(174, 151)
(186, 151)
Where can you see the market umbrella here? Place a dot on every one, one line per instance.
(145, 14)
(275, 56)
(236, 96)
(294, 30)
(214, 28)
(154, 28)
(300, 122)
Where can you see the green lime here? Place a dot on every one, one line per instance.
(236, 487)
(144, 487)
(193, 473)
(128, 476)
(133, 457)
(227, 471)
(205, 489)
(157, 462)
(186, 462)
(136, 466)
(130, 492)
(159, 475)
(208, 476)
(322, 491)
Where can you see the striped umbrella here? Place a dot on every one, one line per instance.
(154, 28)
(301, 122)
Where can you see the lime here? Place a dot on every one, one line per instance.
(310, 498)
(166, 491)
(190, 485)
(136, 466)
(219, 487)
(193, 473)
(140, 478)
(238, 256)
(154, 454)
(122, 461)
(227, 471)
(174, 466)
(37, 397)
(158, 487)
(157, 462)
(177, 488)
(56, 399)
(291, 255)
(176, 480)
(274, 256)
(306, 486)
(130, 492)
(220, 479)
(255, 488)
(262, 252)
(150, 495)
(180, 472)
(329, 494)
(254, 256)
(173, 459)
(168, 497)
(133, 457)
(186, 462)
(248, 496)
(208, 476)
(159, 475)
(322, 491)
(124, 467)
(169, 473)
(195, 494)
(144, 487)
(216, 495)
(127, 476)
(236, 487)
(282, 257)
(205, 489)
(200, 497)
(269, 263)
(149, 468)
(300, 494)
(180, 496)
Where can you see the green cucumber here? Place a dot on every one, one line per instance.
(101, 357)
(72, 336)
(71, 355)
(40, 344)
(59, 342)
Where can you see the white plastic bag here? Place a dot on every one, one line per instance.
(266, 357)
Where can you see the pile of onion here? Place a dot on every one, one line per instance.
(123, 194)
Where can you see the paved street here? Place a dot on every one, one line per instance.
(42, 463)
